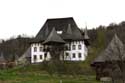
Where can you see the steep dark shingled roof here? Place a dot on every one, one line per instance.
(69, 30)
(60, 24)
(53, 37)
(68, 35)
(112, 52)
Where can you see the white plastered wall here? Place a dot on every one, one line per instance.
(38, 53)
(83, 51)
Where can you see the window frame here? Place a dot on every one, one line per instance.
(41, 56)
(67, 54)
(80, 55)
(73, 55)
(79, 46)
(35, 49)
(40, 48)
(73, 47)
(35, 57)
(45, 55)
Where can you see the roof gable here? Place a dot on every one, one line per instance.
(53, 37)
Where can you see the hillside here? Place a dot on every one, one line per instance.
(14, 47)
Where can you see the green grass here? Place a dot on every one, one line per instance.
(28, 75)
(43, 78)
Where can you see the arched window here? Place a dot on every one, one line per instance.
(67, 54)
(73, 47)
(79, 47)
(45, 55)
(73, 55)
(41, 49)
(41, 56)
(35, 49)
(35, 57)
(79, 55)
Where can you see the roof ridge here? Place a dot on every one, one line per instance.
(60, 18)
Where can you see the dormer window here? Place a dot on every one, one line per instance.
(59, 32)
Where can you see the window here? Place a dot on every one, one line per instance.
(69, 47)
(66, 47)
(35, 49)
(35, 57)
(45, 55)
(73, 47)
(73, 55)
(82, 41)
(79, 47)
(67, 54)
(79, 55)
(41, 49)
(41, 57)
(59, 32)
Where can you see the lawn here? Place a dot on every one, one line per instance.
(35, 75)
(42, 77)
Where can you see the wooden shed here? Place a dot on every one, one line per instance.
(110, 62)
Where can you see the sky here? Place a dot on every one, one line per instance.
(28, 16)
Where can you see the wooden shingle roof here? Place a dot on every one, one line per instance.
(114, 50)
(60, 24)
(53, 38)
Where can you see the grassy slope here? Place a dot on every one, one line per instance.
(35, 75)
